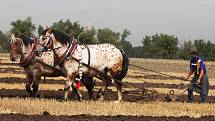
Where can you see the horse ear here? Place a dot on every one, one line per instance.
(71, 35)
(12, 38)
(18, 34)
(50, 30)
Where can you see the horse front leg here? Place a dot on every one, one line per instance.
(36, 82)
(67, 89)
(71, 82)
(28, 84)
(35, 87)
(76, 86)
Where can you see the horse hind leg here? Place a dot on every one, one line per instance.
(102, 91)
(118, 85)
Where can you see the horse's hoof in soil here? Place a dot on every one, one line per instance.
(61, 100)
(80, 100)
(65, 99)
(38, 96)
(101, 98)
(118, 101)
(60, 90)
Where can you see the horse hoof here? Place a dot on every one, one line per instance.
(118, 101)
(101, 98)
(80, 99)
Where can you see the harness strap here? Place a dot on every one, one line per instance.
(68, 51)
(30, 56)
(101, 74)
(88, 50)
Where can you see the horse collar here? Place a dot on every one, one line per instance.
(70, 50)
(27, 60)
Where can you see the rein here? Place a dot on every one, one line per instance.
(30, 55)
(68, 53)
(70, 50)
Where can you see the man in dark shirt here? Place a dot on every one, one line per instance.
(199, 82)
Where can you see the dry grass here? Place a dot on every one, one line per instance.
(165, 61)
(36, 106)
(55, 107)
(9, 66)
(5, 75)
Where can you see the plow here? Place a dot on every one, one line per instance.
(152, 94)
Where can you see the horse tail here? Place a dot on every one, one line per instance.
(125, 64)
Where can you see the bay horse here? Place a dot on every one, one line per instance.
(92, 60)
(34, 66)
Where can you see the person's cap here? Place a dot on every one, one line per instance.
(193, 50)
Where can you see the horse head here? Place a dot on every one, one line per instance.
(15, 46)
(51, 39)
(20, 45)
(47, 38)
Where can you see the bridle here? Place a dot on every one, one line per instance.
(18, 49)
(71, 47)
(49, 39)
(16, 46)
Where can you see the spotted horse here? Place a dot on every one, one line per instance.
(104, 58)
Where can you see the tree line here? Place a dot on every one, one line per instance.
(153, 46)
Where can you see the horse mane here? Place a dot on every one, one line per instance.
(60, 36)
(26, 40)
(44, 32)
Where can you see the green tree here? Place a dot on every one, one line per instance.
(108, 36)
(200, 45)
(126, 44)
(209, 52)
(184, 49)
(160, 46)
(40, 29)
(4, 45)
(205, 49)
(137, 52)
(25, 26)
(148, 47)
(67, 26)
(87, 37)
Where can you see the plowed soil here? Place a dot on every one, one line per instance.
(140, 95)
(47, 117)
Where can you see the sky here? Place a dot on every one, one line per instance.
(186, 19)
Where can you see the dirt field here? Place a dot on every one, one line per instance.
(144, 95)
(18, 117)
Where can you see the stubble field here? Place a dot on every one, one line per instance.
(143, 96)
